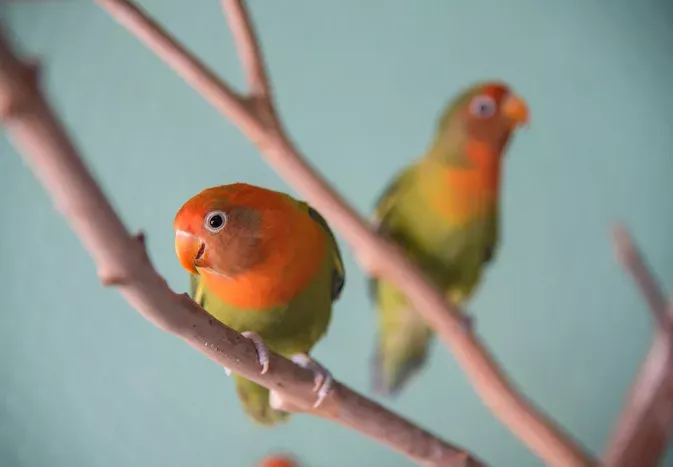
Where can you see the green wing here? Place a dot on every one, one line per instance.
(383, 209)
(492, 238)
(388, 199)
(339, 272)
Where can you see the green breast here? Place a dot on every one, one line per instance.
(452, 256)
(286, 328)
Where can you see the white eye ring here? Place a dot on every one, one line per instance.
(482, 106)
(215, 221)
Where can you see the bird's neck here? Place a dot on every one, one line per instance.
(462, 185)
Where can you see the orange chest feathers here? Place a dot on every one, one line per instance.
(292, 252)
(461, 194)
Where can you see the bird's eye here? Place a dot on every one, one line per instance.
(215, 221)
(482, 106)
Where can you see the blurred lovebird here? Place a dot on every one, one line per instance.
(268, 266)
(443, 211)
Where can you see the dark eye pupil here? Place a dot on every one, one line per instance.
(216, 221)
(483, 108)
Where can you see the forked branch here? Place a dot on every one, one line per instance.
(533, 427)
(644, 428)
(122, 261)
(642, 433)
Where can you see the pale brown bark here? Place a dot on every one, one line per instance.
(643, 430)
(255, 115)
(122, 262)
(641, 435)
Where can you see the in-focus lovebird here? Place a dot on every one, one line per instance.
(443, 211)
(268, 266)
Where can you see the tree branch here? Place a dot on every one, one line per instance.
(248, 50)
(122, 261)
(633, 262)
(641, 434)
(379, 257)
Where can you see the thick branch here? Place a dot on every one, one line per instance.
(644, 426)
(122, 261)
(548, 441)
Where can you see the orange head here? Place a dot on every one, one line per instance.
(485, 114)
(219, 230)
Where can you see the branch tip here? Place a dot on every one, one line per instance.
(636, 266)
(141, 238)
(249, 52)
(625, 249)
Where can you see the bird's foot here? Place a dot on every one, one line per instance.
(262, 349)
(227, 371)
(323, 378)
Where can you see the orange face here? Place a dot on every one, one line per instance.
(214, 231)
(252, 247)
(492, 113)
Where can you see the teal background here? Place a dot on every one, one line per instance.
(85, 381)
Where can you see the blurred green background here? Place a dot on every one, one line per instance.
(85, 381)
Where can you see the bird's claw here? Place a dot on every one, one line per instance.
(323, 378)
(262, 349)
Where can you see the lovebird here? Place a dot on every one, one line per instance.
(443, 212)
(268, 266)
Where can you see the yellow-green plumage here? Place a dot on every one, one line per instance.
(287, 328)
(452, 257)
(443, 212)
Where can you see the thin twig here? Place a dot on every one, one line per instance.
(635, 264)
(122, 261)
(640, 437)
(248, 48)
(380, 258)
(641, 434)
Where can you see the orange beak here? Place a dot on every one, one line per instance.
(189, 249)
(516, 110)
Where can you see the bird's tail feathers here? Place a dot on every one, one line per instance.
(255, 401)
(394, 368)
